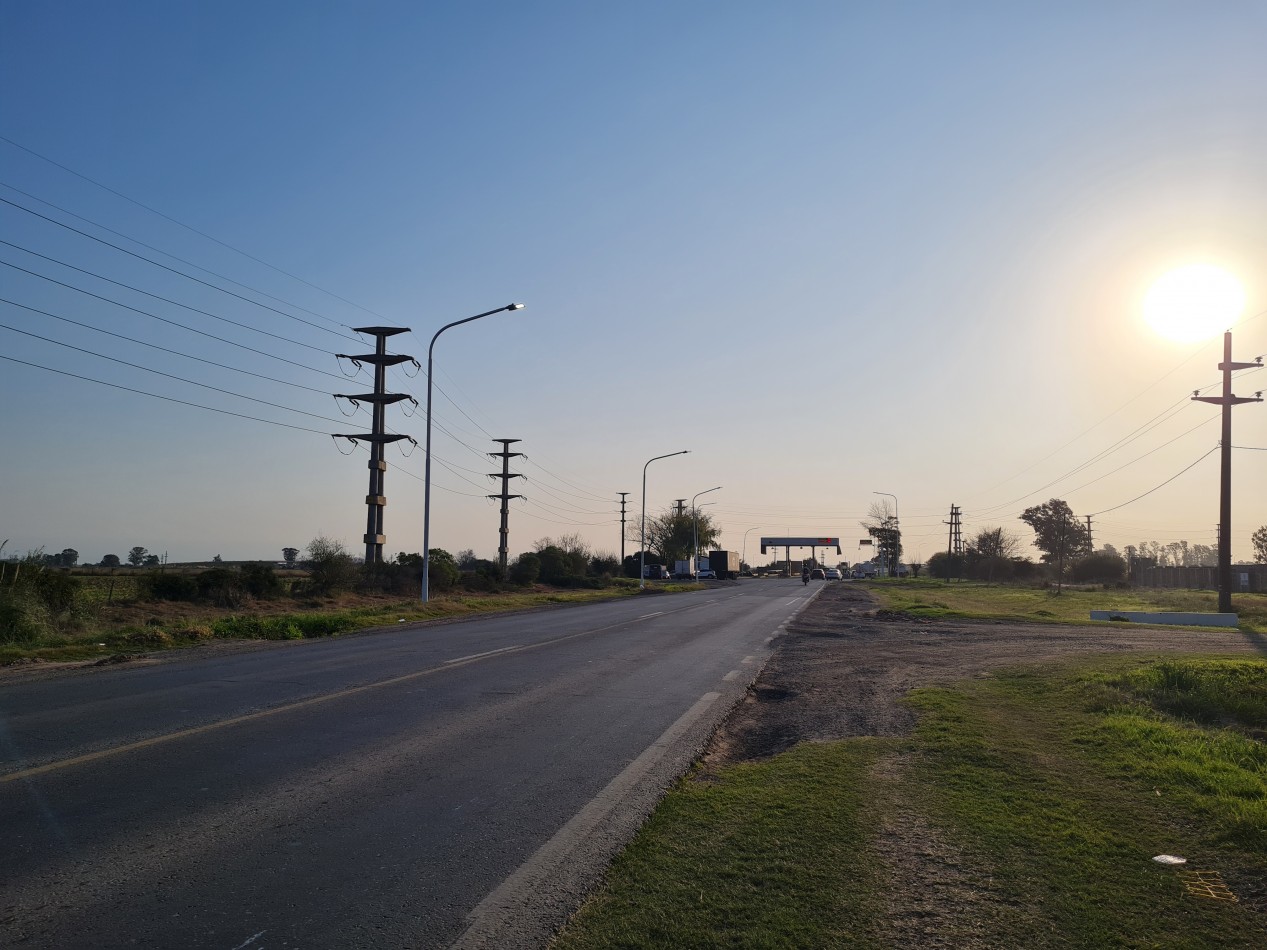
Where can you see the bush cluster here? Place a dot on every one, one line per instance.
(220, 586)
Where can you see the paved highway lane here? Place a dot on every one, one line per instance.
(458, 782)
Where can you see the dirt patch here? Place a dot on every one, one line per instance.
(842, 667)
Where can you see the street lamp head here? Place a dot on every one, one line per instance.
(515, 306)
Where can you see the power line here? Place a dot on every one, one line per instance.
(214, 240)
(1162, 485)
(176, 323)
(226, 412)
(173, 270)
(159, 250)
(159, 372)
(155, 346)
(205, 313)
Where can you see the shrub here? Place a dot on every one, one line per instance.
(330, 566)
(260, 580)
(444, 571)
(526, 569)
(220, 586)
(1101, 567)
(162, 586)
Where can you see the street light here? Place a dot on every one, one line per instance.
(743, 557)
(426, 492)
(695, 523)
(642, 555)
(897, 518)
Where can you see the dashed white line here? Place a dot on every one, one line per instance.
(645, 616)
(749, 660)
(732, 676)
(477, 656)
(791, 602)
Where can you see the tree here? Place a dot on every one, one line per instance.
(110, 560)
(1259, 538)
(882, 525)
(69, 557)
(467, 561)
(1058, 534)
(990, 551)
(290, 555)
(526, 569)
(670, 535)
(151, 560)
(217, 559)
(136, 557)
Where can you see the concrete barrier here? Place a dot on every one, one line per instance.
(1168, 617)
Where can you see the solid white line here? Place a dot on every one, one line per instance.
(478, 656)
(645, 616)
(495, 916)
(791, 602)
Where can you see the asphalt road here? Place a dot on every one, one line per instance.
(448, 785)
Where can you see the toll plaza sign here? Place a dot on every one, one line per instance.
(800, 543)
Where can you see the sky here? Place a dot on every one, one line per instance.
(832, 249)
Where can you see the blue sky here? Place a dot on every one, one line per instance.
(830, 248)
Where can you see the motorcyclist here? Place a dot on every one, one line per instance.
(804, 574)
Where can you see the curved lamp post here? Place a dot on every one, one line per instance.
(695, 523)
(642, 554)
(743, 558)
(426, 492)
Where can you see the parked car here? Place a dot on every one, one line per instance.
(831, 574)
(816, 574)
(706, 575)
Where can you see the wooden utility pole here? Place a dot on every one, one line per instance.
(1227, 400)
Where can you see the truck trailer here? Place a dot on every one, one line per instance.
(725, 564)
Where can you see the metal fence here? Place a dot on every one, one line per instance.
(1245, 577)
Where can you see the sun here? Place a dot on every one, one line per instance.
(1193, 303)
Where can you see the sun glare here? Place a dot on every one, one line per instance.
(1193, 303)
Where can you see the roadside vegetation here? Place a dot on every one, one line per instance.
(976, 600)
(53, 611)
(1024, 810)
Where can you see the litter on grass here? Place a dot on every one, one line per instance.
(1170, 859)
(1208, 884)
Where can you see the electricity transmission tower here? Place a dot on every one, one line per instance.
(379, 399)
(503, 547)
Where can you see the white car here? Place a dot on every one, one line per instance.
(706, 575)
(831, 574)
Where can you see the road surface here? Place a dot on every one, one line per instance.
(449, 785)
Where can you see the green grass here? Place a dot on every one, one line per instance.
(1055, 787)
(767, 855)
(976, 600)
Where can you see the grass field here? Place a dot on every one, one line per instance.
(104, 625)
(976, 600)
(1024, 811)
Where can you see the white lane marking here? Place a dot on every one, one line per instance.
(732, 676)
(767, 641)
(646, 616)
(250, 940)
(791, 602)
(478, 656)
(502, 908)
(749, 660)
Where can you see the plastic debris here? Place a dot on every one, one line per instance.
(1170, 859)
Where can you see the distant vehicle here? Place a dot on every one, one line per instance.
(706, 575)
(816, 574)
(831, 574)
(725, 564)
(656, 572)
(684, 570)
